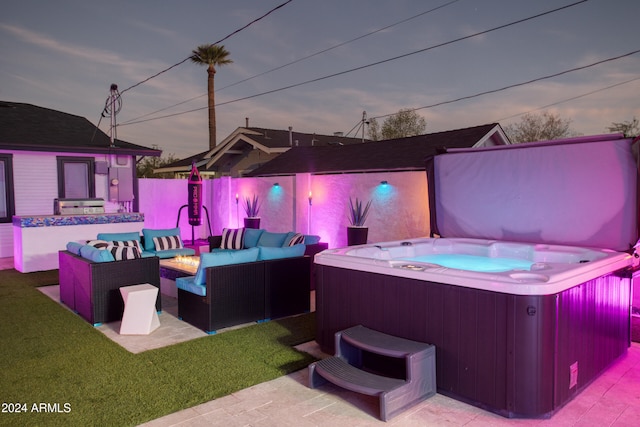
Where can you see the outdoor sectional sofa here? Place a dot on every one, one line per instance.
(233, 287)
(260, 237)
(91, 273)
(91, 288)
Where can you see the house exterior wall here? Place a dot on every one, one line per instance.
(35, 179)
(250, 161)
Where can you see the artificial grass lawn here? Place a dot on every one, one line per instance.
(50, 355)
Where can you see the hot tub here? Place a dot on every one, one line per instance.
(508, 267)
(520, 342)
(526, 295)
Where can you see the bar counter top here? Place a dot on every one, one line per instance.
(38, 238)
(30, 221)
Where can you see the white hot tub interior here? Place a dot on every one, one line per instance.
(478, 263)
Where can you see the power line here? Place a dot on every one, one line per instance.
(517, 84)
(573, 98)
(218, 42)
(339, 44)
(443, 102)
(303, 58)
(368, 65)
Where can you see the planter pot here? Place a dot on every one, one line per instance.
(252, 222)
(357, 235)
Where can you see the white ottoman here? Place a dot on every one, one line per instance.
(140, 316)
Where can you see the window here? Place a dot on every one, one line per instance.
(76, 178)
(7, 208)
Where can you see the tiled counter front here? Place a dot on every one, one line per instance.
(37, 239)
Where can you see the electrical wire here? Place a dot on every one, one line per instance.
(442, 102)
(369, 65)
(573, 98)
(300, 59)
(517, 84)
(339, 45)
(218, 42)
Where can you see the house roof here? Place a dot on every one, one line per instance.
(377, 156)
(243, 139)
(32, 128)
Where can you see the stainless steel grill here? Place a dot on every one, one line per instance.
(78, 206)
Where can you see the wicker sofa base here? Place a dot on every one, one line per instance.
(92, 288)
(250, 292)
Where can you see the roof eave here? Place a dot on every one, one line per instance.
(91, 150)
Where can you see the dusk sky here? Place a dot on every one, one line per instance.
(65, 54)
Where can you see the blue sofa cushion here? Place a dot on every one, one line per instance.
(232, 238)
(95, 254)
(133, 235)
(251, 237)
(215, 259)
(188, 284)
(275, 240)
(267, 252)
(311, 239)
(74, 247)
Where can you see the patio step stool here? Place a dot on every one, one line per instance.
(348, 368)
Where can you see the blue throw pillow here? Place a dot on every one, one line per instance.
(275, 240)
(150, 233)
(133, 235)
(74, 247)
(95, 254)
(311, 239)
(216, 259)
(251, 237)
(267, 253)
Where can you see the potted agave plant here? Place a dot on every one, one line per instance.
(357, 232)
(252, 208)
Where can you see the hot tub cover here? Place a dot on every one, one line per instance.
(579, 192)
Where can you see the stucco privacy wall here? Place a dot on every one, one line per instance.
(399, 208)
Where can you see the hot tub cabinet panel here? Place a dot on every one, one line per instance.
(516, 355)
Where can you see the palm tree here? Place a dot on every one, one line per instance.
(211, 55)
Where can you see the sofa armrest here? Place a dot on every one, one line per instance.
(93, 288)
(315, 248)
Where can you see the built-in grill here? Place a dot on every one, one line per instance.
(78, 206)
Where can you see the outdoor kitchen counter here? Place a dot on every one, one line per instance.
(38, 238)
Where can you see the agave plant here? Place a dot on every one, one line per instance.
(358, 212)
(252, 206)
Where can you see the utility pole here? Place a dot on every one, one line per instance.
(112, 106)
(364, 121)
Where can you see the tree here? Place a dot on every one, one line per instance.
(539, 127)
(211, 55)
(630, 129)
(406, 122)
(145, 168)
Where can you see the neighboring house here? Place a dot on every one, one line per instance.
(248, 148)
(47, 154)
(393, 155)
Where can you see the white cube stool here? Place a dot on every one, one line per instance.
(140, 316)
